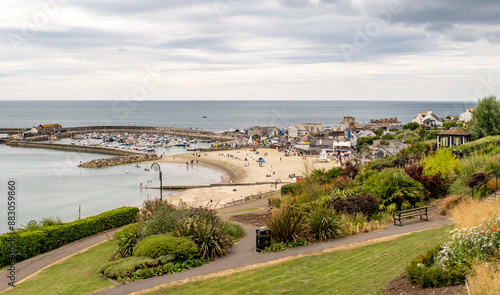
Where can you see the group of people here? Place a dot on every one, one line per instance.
(458, 155)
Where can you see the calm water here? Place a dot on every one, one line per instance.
(221, 115)
(50, 184)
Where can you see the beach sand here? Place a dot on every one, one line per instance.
(236, 170)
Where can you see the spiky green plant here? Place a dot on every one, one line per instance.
(285, 225)
(323, 223)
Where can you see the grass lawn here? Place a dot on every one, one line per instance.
(77, 275)
(364, 270)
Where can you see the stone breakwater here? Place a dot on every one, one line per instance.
(108, 162)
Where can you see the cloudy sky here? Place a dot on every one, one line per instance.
(249, 49)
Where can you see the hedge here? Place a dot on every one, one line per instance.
(293, 188)
(470, 147)
(41, 240)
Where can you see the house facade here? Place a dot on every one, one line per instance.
(465, 116)
(454, 136)
(427, 118)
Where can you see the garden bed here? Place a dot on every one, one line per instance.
(402, 286)
(253, 219)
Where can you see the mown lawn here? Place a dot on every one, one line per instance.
(77, 275)
(364, 270)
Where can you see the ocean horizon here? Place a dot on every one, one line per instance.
(213, 115)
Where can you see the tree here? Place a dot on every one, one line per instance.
(485, 118)
(411, 126)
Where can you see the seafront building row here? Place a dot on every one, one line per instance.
(304, 137)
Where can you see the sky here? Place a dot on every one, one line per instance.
(424, 50)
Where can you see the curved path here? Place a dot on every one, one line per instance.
(242, 255)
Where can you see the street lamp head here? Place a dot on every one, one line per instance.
(156, 166)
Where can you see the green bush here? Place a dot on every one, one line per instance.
(293, 189)
(235, 230)
(322, 223)
(212, 237)
(480, 144)
(394, 189)
(366, 204)
(425, 272)
(160, 245)
(45, 239)
(124, 267)
(442, 162)
(334, 173)
(411, 126)
(158, 217)
(126, 239)
(285, 225)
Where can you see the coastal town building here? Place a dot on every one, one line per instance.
(348, 123)
(300, 130)
(465, 116)
(427, 119)
(385, 123)
(263, 132)
(454, 136)
(359, 134)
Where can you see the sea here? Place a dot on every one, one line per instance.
(49, 183)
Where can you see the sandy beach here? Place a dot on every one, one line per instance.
(237, 170)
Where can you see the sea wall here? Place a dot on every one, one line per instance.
(108, 162)
(74, 148)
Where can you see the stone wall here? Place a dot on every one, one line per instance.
(108, 162)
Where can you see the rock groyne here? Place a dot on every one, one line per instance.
(108, 162)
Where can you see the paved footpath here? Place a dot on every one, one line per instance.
(31, 266)
(243, 254)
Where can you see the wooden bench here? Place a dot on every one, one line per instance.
(405, 214)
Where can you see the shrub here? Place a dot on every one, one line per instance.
(212, 237)
(435, 186)
(442, 162)
(334, 173)
(322, 223)
(394, 189)
(365, 204)
(477, 179)
(470, 147)
(467, 244)
(411, 126)
(236, 231)
(158, 217)
(357, 224)
(423, 271)
(124, 267)
(285, 225)
(293, 189)
(45, 239)
(126, 239)
(159, 245)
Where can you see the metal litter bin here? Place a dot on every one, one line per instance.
(263, 238)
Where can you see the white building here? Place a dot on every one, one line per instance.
(465, 116)
(427, 118)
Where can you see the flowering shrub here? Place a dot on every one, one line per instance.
(450, 263)
(469, 243)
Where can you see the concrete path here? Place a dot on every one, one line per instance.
(34, 265)
(243, 254)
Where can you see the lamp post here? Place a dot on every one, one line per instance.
(157, 167)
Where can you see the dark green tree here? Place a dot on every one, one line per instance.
(485, 118)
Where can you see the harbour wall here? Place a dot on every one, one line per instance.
(74, 148)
